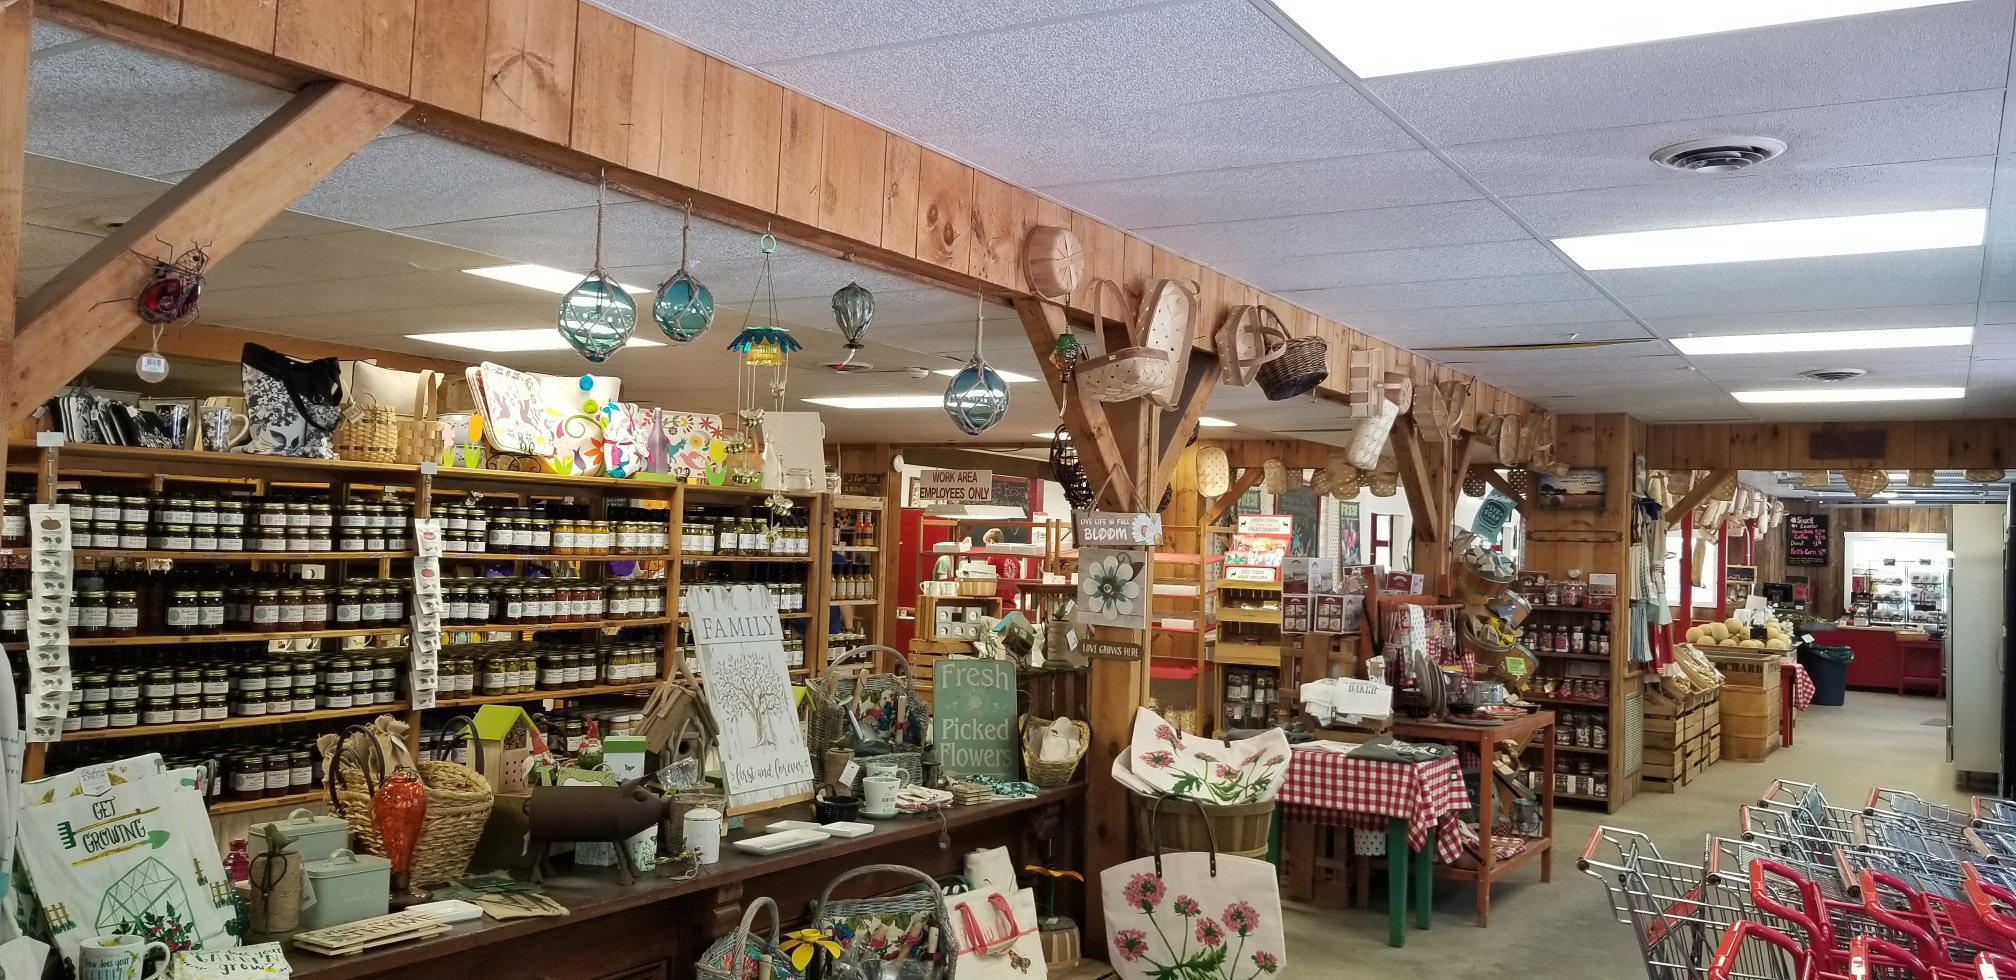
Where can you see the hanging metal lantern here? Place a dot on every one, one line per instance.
(853, 307)
(977, 398)
(597, 316)
(684, 308)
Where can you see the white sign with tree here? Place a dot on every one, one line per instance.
(743, 675)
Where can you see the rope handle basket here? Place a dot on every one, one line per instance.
(1250, 338)
(1124, 374)
(728, 958)
(1054, 773)
(828, 909)
(1302, 365)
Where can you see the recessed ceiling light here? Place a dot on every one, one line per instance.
(1008, 376)
(1860, 234)
(1792, 396)
(512, 341)
(880, 401)
(557, 281)
(1374, 39)
(1211, 423)
(1044, 435)
(1782, 343)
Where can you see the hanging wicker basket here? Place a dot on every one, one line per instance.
(1274, 478)
(1303, 364)
(1985, 475)
(1384, 483)
(1124, 374)
(1866, 482)
(1474, 484)
(1920, 478)
(1319, 482)
(1214, 471)
(1725, 490)
(1815, 479)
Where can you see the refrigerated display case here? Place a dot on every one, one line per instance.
(1896, 579)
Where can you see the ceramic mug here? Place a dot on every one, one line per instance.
(118, 957)
(880, 793)
(889, 769)
(174, 422)
(221, 428)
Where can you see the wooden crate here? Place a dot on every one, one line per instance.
(1745, 748)
(1746, 668)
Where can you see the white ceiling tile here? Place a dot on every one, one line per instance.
(123, 109)
(1938, 263)
(1286, 273)
(43, 248)
(1446, 293)
(412, 290)
(1133, 60)
(1955, 47)
(1952, 315)
(1374, 180)
(755, 33)
(1887, 188)
(1826, 137)
(1349, 231)
(420, 179)
(1840, 295)
(1998, 313)
(53, 183)
(1076, 145)
(47, 35)
(1560, 316)
(1632, 359)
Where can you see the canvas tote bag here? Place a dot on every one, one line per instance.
(1191, 914)
(291, 405)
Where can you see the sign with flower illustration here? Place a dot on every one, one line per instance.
(1175, 763)
(1104, 529)
(1187, 916)
(1113, 588)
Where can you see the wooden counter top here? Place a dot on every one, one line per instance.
(594, 894)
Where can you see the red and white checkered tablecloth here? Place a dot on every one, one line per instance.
(1802, 687)
(1331, 788)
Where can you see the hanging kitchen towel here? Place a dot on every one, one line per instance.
(292, 406)
(1192, 914)
(133, 857)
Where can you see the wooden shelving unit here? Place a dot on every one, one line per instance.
(267, 802)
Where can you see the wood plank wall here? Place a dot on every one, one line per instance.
(572, 87)
(1826, 579)
(1957, 444)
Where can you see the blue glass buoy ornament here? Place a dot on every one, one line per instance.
(597, 317)
(684, 308)
(977, 398)
(853, 307)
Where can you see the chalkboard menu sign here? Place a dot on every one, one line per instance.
(1806, 539)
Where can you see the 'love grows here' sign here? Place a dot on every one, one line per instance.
(974, 700)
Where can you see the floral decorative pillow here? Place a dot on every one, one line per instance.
(1176, 763)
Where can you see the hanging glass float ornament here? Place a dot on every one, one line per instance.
(853, 307)
(977, 398)
(598, 316)
(684, 308)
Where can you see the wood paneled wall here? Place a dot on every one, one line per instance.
(574, 88)
(1956, 444)
(1826, 579)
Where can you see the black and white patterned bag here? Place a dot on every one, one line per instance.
(291, 405)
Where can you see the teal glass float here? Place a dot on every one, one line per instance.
(684, 307)
(977, 398)
(853, 308)
(597, 317)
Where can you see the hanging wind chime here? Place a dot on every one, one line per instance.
(761, 345)
(977, 398)
(597, 316)
(853, 307)
(684, 308)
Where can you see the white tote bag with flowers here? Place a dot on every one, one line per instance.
(1176, 763)
(1193, 914)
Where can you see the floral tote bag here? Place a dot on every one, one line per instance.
(1175, 763)
(1196, 915)
(291, 405)
(513, 420)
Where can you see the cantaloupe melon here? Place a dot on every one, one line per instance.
(1695, 634)
(1777, 643)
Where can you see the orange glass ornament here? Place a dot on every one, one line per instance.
(398, 808)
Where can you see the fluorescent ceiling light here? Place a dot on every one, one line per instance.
(1374, 39)
(1008, 376)
(1044, 435)
(557, 281)
(1793, 396)
(1902, 338)
(1211, 423)
(512, 341)
(1860, 234)
(880, 401)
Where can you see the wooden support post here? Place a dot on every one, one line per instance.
(90, 306)
(1420, 482)
(1227, 500)
(1496, 479)
(16, 21)
(1699, 492)
(1092, 431)
(1177, 429)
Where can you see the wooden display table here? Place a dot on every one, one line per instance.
(657, 928)
(1481, 739)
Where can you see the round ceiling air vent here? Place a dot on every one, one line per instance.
(849, 367)
(1833, 374)
(1718, 156)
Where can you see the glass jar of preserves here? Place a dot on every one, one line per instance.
(94, 685)
(203, 513)
(13, 616)
(14, 521)
(176, 509)
(133, 535)
(349, 606)
(249, 704)
(172, 537)
(216, 707)
(122, 613)
(157, 684)
(123, 713)
(133, 509)
(188, 710)
(265, 611)
(184, 612)
(157, 711)
(231, 514)
(300, 770)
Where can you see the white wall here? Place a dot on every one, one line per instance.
(1974, 638)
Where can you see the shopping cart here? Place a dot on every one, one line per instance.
(1753, 951)
(1907, 804)
(1946, 934)
(1731, 857)
(1928, 868)
(1805, 813)
(1680, 911)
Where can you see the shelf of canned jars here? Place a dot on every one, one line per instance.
(241, 566)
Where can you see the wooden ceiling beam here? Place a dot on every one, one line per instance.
(90, 305)
(221, 344)
(1177, 429)
(1225, 502)
(1091, 430)
(16, 22)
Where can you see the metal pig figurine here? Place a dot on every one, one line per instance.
(611, 814)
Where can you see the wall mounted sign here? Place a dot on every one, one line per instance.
(1583, 488)
(1806, 540)
(747, 684)
(973, 703)
(1826, 444)
(1106, 529)
(955, 487)
(1110, 649)
(1112, 588)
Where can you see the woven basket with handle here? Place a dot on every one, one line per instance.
(379, 434)
(1251, 337)
(458, 800)
(1054, 773)
(1866, 482)
(1124, 374)
(1303, 364)
(924, 906)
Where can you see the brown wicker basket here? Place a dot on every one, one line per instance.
(1985, 475)
(1866, 482)
(458, 805)
(379, 434)
(1050, 775)
(1303, 364)
(1920, 478)
(1815, 479)
(368, 434)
